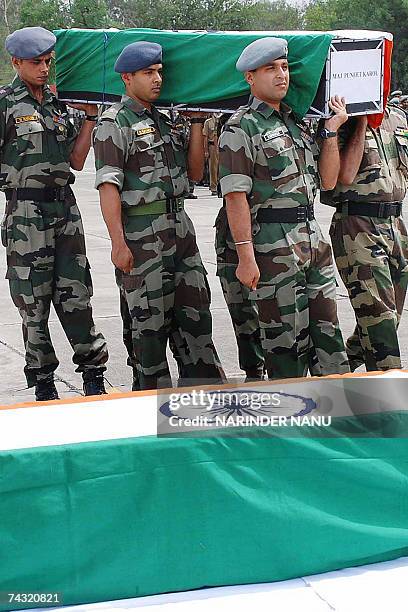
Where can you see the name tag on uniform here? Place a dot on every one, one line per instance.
(144, 131)
(400, 131)
(271, 134)
(25, 118)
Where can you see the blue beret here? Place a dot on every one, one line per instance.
(137, 56)
(30, 42)
(262, 52)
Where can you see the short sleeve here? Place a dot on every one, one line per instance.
(110, 146)
(236, 160)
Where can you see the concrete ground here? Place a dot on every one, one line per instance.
(106, 308)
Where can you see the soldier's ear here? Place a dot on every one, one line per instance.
(249, 77)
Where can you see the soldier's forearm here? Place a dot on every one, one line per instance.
(239, 220)
(352, 154)
(329, 163)
(82, 146)
(112, 212)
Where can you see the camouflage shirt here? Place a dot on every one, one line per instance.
(269, 155)
(143, 153)
(36, 139)
(383, 172)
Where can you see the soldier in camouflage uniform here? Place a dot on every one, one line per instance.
(369, 237)
(269, 177)
(42, 229)
(141, 174)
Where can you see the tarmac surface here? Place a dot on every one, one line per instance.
(105, 303)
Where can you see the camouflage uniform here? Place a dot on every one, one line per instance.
(166, 291)
(271, 157)
(210, 132)
(372, 252)
(46, 259)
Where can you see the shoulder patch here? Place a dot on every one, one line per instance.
(235, 119)
(5, 91)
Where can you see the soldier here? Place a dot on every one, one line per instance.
(269, 178)
(369, 237)
(42, 228)
(141, 174)
(210, 133)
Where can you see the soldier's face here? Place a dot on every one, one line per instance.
(145, 85)
(34, 71)
(271, 82)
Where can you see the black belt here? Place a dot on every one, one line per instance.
(285, 215)
(47, 194)
(383, 210)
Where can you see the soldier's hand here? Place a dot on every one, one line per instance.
(247, 273)
(338, 106)
(88, 109)
(122, 257)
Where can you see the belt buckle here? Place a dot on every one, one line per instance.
(301, 214)
(383, 210)
(171, 205)
(310, 212)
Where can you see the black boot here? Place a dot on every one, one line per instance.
(255, 374)
(45, 390)
(93, 383)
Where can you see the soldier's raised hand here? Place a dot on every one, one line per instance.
(338, 106)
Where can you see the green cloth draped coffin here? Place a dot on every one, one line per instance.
(199, 67)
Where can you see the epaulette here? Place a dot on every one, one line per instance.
(5, 91)
(235, 119)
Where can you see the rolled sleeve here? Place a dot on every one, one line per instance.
(236, 160)
(110, 146)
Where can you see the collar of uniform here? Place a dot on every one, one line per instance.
(266, 111)
(21, 90)
(134, 105)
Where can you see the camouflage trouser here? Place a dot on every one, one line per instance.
(296, 298)
(213, 164)
(127, 337)
(167, 295)
(243, 311)
(372, 258)
(46, 262)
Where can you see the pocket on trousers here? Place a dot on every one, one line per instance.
(137, 296)
(368, 299)
(21, 287)
(265, 298)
